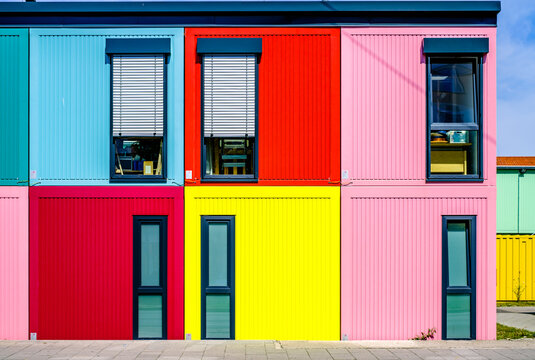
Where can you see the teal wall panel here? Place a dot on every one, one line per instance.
(13, 107)
(70, 105)
(507, 201)
(527, 202)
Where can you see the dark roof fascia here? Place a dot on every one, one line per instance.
(253, 13)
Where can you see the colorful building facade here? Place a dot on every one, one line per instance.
(249, 170)
(515, 228)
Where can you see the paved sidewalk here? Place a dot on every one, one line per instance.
(270, 350)
(521, 317)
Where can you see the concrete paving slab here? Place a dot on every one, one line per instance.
(270, 350)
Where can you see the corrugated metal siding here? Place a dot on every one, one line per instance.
(384, 102)
(81, 259)
(392, 262)
(13, 263)
(287, 260)
(526, 208)
(14, 106)
(507, 201)
(70, 110)
(298, 105)
(514, 257)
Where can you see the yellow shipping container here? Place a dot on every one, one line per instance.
(287, 259)
(515, 254)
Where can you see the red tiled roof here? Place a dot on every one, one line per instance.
(515, 161)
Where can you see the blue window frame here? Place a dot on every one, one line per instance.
(138, 110)
(217, 277)
(455, 108)
(458, 277)
(150, 277)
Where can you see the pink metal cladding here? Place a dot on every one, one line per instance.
(384, 104)
(392, 259)
(14, 263)
(391, 231)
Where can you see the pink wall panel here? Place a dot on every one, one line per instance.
(14, 262)
(392, 259)
(384, 103)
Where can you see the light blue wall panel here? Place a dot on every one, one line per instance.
(70, 105)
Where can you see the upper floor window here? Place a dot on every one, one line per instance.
(229, 108)
(454, 108)
(138, 115)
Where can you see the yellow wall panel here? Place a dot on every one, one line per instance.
(287, 259)
(514, 261)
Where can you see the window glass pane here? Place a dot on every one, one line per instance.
(453, 88)
(218, 316)
(150, 255)
(229, 156)
(141, 156)
(454, 152)
(150, 316)
(217, 254)
(457, 256)
(458, 316)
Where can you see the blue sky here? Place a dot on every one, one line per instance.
(516, 78)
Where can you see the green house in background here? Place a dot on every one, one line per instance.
(515, 243)
(14, 107)
(516, 195)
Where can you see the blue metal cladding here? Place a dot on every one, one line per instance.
(13, 106)
(70, 105)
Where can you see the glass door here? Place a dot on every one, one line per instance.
(217, 283)
(150, 277)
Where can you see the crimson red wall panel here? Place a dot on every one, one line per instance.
(81, 259)
(298, 104)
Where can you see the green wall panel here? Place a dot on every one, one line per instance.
(507, 201)
(14, 107)
(527, 202)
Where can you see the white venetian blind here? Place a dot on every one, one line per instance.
(138, 95)
(229, 95)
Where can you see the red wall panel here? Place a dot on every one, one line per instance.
(81, 259)
(298, 104)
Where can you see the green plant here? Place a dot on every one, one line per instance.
(518, 288)
(430, 334)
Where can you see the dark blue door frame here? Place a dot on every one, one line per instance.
(150, 290)
(470, 222)
(205, 288)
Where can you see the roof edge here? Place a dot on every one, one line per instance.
(188, 7)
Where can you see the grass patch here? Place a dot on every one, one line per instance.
(508, 333)
(515, 303)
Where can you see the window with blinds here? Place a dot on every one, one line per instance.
(229, 115)
(229, 95)
(138, 113)
(138, 95)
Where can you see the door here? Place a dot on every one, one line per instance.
(150, 277)
(217, 283)
(459, 277)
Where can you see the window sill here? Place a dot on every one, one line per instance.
(228, 179)
(147, 179)
(452, 179)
